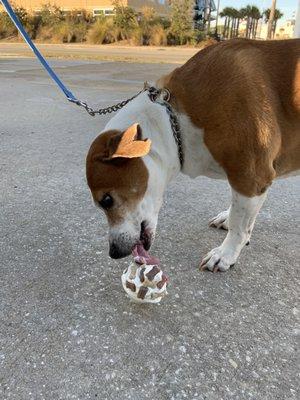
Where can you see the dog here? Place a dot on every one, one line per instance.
(238, 107)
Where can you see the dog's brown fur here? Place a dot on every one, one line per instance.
(246, 96)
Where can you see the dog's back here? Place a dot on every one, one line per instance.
(245, 95)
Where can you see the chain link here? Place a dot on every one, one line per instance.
(154, 95)
(107, 110)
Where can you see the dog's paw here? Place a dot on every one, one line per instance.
(220, 221)
(219, 259)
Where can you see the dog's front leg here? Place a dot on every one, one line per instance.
(242, 215)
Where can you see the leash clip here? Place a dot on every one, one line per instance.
(79, 103)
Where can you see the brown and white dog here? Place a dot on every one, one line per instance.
(238, 104)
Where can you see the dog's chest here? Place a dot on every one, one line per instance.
(197, 158)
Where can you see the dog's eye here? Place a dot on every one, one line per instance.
(106, 202)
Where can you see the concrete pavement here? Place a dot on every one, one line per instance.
(67, 331)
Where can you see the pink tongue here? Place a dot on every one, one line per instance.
(141, 256)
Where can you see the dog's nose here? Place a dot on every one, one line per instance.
(116, 251)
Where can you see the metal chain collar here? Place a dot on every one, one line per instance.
(154, 96)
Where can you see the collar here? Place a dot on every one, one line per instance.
(162, 97)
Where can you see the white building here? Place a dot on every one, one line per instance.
(283, 31)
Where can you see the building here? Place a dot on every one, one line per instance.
(284, 30)
(96, 7)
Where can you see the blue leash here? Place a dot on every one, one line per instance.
(70, 96)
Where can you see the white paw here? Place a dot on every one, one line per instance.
(219, 259)
(220, 221)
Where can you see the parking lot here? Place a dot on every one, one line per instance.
(67, 329)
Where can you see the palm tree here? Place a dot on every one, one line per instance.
(243, 14)
(255, 16)
(235, 16)
(225, 14)
(246, 12)
(230, 15)
(277, 15)
(239, 17)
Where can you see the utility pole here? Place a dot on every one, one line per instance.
(271, 19)
(297, 22)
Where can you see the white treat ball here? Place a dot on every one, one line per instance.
(144, 283)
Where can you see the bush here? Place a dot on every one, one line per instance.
(7, 28)
(180, 31)
(158, 36)
(79, 16)
(125, 21)
(103, 31)
(150, 30)
(50, 20)
(69, 32)
(50, 15)
(56, 26)
(138, 37)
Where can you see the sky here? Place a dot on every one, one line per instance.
(285, 6)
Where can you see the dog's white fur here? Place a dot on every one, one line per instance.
(241, 219)
(162, 162)
(163, 165)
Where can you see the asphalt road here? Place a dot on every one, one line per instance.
(67, 331)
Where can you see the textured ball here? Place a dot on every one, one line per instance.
(144, 283)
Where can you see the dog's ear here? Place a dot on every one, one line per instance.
(128, 144)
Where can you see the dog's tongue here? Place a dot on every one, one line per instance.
(141, 256)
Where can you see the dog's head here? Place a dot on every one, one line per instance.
(120, 182)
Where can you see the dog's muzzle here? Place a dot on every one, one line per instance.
(116, 251)
(123, 244)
